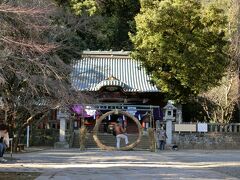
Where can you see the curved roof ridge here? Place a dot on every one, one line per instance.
(89, 72)
(112, 82)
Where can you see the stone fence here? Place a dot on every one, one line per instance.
(207, 127)
(217, 127)
(212, 136)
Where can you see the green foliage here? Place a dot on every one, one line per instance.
(220, 103)
(182, 45)
(193, 112)
(106, 23)
(79, 6)
(43, 137)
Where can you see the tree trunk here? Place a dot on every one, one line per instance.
(222, 115)
(17, 139)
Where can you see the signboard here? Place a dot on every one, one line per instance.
(202, 127)
(185, 127)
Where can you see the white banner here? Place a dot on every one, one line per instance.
(202, 127)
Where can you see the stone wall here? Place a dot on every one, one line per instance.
(207, 140)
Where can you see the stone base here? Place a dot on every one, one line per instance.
(62, 145)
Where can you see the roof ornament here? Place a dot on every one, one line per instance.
(112, 78)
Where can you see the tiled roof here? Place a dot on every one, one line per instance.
(110, 68)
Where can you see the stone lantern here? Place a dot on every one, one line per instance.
(62, 115)
(169, 118)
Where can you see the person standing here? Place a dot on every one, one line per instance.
(162, 136)
(120, 133)
(4, 141)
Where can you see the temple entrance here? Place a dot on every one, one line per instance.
(116, 112)
(99, 119)
(147, 115)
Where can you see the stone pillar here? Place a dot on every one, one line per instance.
(62, 130)
(168, 117)
(169, 131)
(179, 114)
(28, 136)
(62, 116)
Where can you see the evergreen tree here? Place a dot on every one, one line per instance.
(182, 45)
(106, 23)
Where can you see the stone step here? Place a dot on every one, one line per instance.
(110, 140)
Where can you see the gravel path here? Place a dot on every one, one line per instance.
(134, 165)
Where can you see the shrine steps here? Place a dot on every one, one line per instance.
(110, 140)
